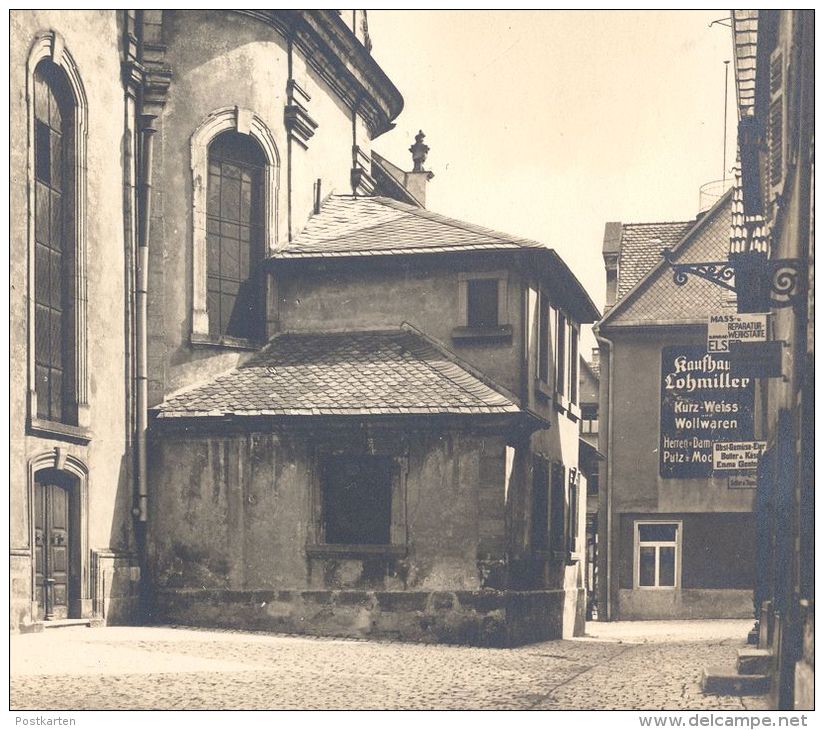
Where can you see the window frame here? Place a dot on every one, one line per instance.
(503, 330)
(51, 46)
(561, 352)
(316, 544)
(242, 121)
(573, 366)
(546, 351)
(636, 553)
(540, 538)
(254, 245)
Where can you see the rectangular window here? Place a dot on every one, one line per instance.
(589, 419)
(572, 512)
(573, 364)
(357, 499)
(482, 303)
(657, 554)
(558, 508)
(544, 340)
(560, 354)
(540, 505)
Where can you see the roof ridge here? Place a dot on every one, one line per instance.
(661, 223)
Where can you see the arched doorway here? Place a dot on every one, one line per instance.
(56, 568)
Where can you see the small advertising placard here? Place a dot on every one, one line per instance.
(737, 455)
(701, 403)
(744, 480)
(725, 328)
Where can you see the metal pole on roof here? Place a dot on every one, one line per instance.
(726, 84)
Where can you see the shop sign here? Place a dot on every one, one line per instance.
(701, 403)
(744, 480)
(725, 328)
(737, 455)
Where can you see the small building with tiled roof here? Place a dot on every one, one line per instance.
(398, 456)
(676, 539)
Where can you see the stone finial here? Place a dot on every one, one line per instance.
(419, 151)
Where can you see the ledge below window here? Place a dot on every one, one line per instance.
(228, 343)
(543, 389)
(60, 431)
(355, 551)
(565, 405)
(501, 333)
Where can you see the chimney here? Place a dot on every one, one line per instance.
(415, 181)
(613, 232)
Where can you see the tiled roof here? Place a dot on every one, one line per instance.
(352, 373)
(373, 226)
(659, 299)
(641, 246)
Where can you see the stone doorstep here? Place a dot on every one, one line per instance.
(63, 623)
(754, 661)
(724, 681)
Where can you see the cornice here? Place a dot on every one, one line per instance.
(341, 60)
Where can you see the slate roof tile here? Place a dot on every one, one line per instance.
(353, 373)
(375, 225)
(641, 246)
(661, 299)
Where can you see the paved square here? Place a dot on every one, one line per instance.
(624, 665)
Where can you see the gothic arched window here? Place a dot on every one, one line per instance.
(235, 236)
(54, 245)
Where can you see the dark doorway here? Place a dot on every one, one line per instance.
(52, 544)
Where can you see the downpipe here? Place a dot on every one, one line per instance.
(607, 577)
(141, 508)
(147, 131)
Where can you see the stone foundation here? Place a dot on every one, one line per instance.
(684, 603)
(479, 618)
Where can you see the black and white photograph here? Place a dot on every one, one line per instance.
(412, 360)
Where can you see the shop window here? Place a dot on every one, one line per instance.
(657, 554)
(356, 500)
(540, 505)
(234, 237)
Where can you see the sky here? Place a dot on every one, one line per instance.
(547, 124)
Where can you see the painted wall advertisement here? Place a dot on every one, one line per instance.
(701, 403)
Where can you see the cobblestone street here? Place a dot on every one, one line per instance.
(640, 665)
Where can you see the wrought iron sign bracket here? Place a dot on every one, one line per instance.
(782, 280)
